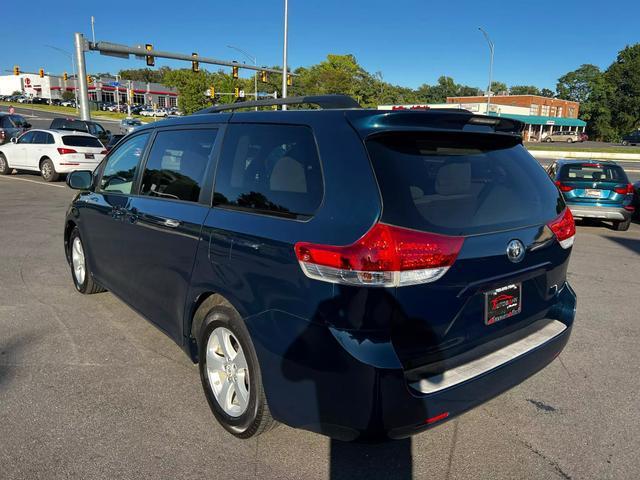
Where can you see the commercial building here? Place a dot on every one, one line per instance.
(101, 89)
(541, 115)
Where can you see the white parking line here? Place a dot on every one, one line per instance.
(34, 181)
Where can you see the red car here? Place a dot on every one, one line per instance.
(584, 137)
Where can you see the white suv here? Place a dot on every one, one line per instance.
(51, 152)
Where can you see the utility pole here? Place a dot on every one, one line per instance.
(129, 98)
(284, 51)
(81, 79)
(486, 36)
(117, 94)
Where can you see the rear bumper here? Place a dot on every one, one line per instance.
(349, 386)
(605, 213)
(62, 168)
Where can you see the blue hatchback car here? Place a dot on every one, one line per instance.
(595, 189)
(358, 273)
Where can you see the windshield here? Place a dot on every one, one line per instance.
(461, 184)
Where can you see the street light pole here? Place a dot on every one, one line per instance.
(73, 69)
(254, 59)
(491, 48)
(117, 94)
(81, 78)
(284, 51)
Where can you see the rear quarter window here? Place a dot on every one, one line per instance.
(461, 184)
(270, 169)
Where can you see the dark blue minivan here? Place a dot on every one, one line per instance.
(359, 273)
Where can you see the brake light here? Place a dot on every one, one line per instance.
(104, 152)
(64, 151)
(564, 228)
(624, 189)
(437, 418)
(591, 165)
(563, 187)
(386, 256)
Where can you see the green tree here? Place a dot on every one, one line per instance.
(68, 95)
(578, 84)
(191, 88)
(524, 90)
(144, 74)
(497, 87)
(623, 77)
(545, 92)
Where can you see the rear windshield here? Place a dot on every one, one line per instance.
(592, 172)
(461, 184)
(63, 124)
(81, 141)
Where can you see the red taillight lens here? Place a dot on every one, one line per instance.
(564, 228)
(624, 189)
(562, 187)
(437, 418)
(104, 152)
(64, 151)
(385, 256)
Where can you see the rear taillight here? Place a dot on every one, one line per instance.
(64, 151)
(564, 228)
(563, 187)
(386, 256)
(624, 189)
(2, 136)
(104, 152)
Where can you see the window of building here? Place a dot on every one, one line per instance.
(572, 112)
(534, 109)
(173, 101)
(122, 164)
(269, 169)
(559, 111)
(93, 96)
(177, 164)
(545, 111)
(162, 101)
(553, 111)
(108, 97)
(138, 98)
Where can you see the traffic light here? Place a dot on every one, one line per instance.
(289, 79)
(263, 76)
(41, 72)
(65, 76)
(234, 72)
(212, 91)
(195, 65)
(236, 92)
(89, 79)
(16, 70)
(151, 61)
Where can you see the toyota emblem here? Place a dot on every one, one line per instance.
(515, 251)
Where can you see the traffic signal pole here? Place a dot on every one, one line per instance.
(81, 78)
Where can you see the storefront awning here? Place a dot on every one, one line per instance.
(540, 120)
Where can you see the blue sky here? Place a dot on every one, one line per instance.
(411, 42)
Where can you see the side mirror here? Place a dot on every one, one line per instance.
(14, 140)
(27, 125)
(80, 179)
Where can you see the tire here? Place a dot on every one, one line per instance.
(622, 226)
(224, 336)
(4, 166)
(548, 140)
(48, 171)
(80, 272)
(625, 143)
(569, 140)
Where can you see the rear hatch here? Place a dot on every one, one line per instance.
(486, 189)
(82, 150)
(593, 183)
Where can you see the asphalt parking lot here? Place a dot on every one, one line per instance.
(88, 389)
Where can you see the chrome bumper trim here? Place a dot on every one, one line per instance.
(474, 368)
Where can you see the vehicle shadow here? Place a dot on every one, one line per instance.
(9, 349)
(353, 461)
(632, 244)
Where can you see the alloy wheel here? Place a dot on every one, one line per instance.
(228, 372)
(77, 260)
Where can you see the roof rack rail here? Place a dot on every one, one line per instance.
(325, 102)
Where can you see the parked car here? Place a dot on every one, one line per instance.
(563, 136)
(636, 199)
(584, 137)
(357, 312)
(68, 103)
(113, 141)
(632, 138)
(93, 128)
(128, 125)
(51, 153)
(39, 101)
(595, 189)
(12, 125)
